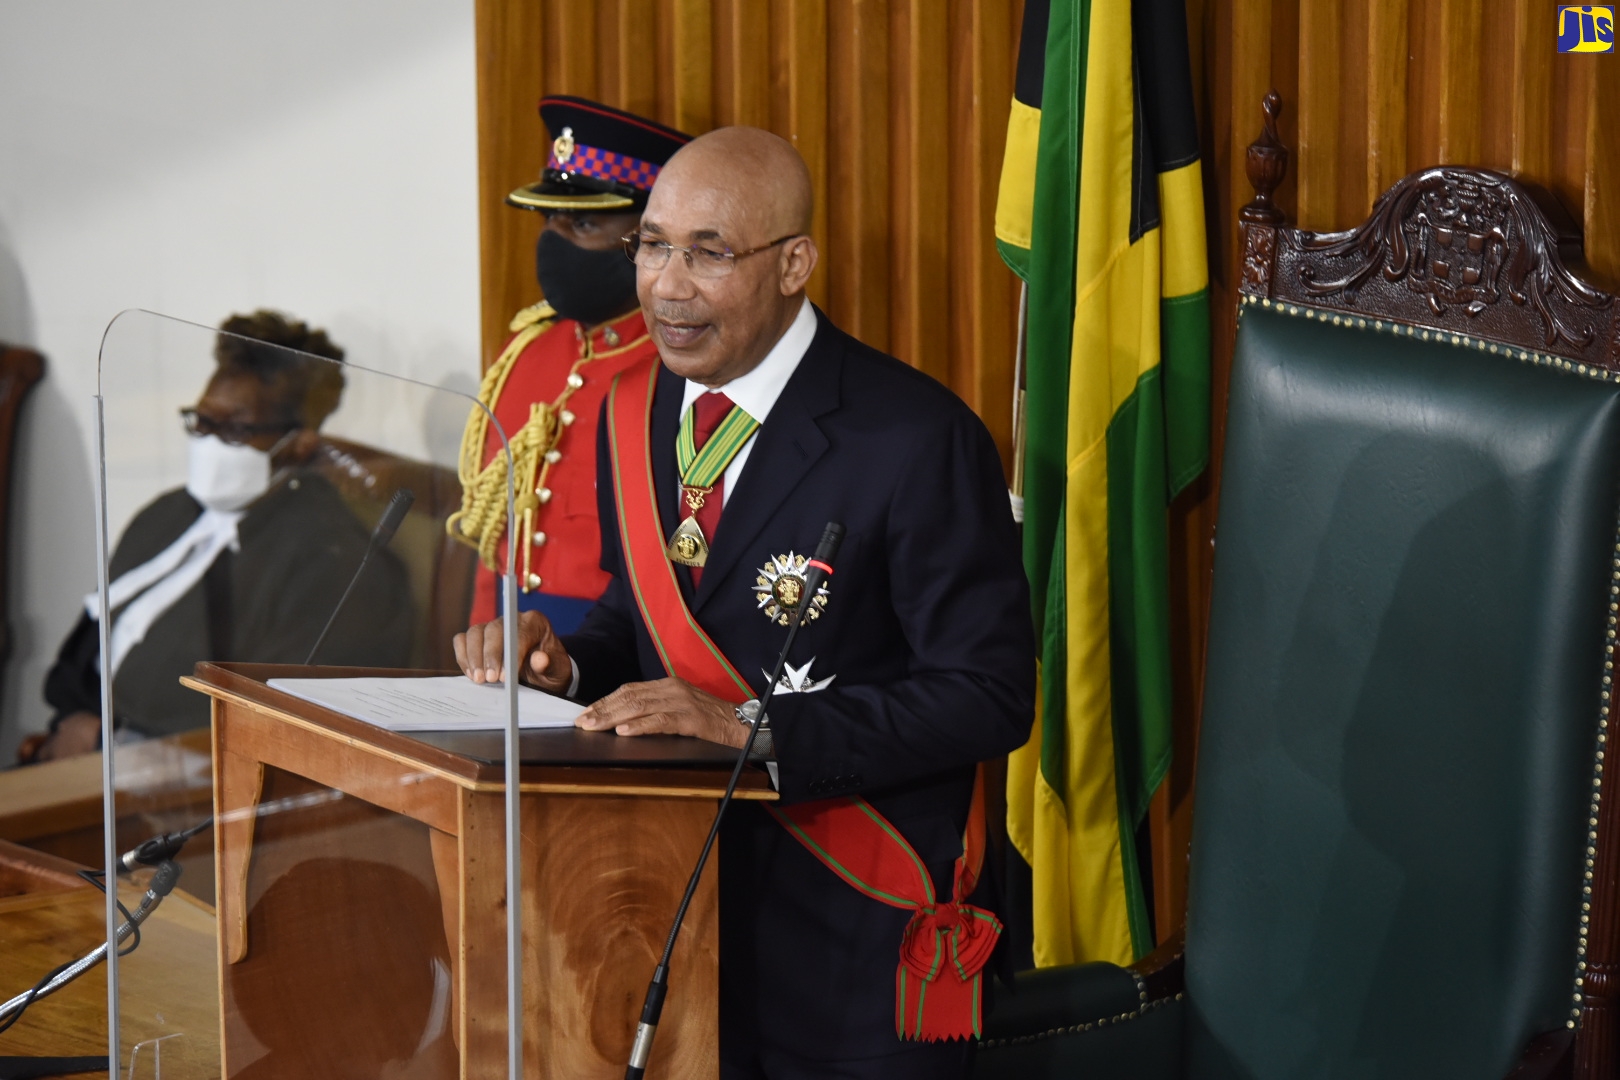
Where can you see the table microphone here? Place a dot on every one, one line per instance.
(160, 849)
(817, 571)
(387, 525)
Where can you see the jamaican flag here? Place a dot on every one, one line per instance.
(1101, 212)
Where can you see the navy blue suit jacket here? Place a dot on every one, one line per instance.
(927, 639)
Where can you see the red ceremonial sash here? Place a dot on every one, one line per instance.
(938, 983)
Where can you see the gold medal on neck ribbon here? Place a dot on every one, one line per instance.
(687, 546)
(700, 471)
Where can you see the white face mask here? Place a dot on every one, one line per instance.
(225, 477)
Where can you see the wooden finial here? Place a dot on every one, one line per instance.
(1267, 164)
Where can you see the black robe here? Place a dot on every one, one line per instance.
(265, 603)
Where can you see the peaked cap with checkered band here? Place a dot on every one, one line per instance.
(601, 158)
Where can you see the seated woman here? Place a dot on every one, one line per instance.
(243, 563)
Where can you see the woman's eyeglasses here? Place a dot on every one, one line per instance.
(234, 432)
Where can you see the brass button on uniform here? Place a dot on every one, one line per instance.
(566, 416)
(539, 539)
(575, 380)
(553, 456)
(543, 494)
(534, 581)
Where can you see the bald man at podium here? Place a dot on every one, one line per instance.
(852, 941)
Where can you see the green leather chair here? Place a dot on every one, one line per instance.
(1397, 865)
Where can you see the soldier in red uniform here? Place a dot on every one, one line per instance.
(546, 388)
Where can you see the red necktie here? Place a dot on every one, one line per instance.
(707, 412)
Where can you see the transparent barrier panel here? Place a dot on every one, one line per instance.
(248, 491)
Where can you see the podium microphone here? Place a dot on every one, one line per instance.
(160, 849)
(817, 571)
(387, 526)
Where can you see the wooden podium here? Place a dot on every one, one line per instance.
(361, 892)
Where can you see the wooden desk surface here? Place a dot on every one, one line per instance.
(163, 785)
(54, 797)
(169, 986)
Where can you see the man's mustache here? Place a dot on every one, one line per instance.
(676, 313)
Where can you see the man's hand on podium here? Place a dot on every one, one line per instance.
(544, 663)
(666, 707)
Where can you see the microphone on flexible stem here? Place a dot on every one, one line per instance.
(387, 525)
(160, 849)
(816, 573)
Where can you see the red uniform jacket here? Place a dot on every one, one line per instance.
(566, 541)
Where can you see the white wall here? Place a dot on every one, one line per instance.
(198, 157)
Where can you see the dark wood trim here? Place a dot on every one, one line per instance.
(1468, 252)
(1163, 972)
(23, 871)
(1482, 257)
(20, 369)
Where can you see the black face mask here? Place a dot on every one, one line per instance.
(590, 286)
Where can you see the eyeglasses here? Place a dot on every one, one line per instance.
(234, 432)
(705, 261)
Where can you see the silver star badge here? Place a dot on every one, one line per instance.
(797, 680)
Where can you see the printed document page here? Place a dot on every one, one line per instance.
(439, 703)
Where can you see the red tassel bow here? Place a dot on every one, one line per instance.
(938, 989)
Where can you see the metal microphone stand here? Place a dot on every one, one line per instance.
(653, 1008)
(162, 883)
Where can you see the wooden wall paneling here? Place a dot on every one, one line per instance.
(1423, 84)
(1384, 67)
(570, 49)
(1566, 115)
(1494, 95)
(858, 168)
(798, 43)
(1534, 52)
(742, 63)
(919, 203)
(1317, 112)
(1458, 53)
(1242, 32)
(1601, 207)
(1285, 61)
(1354, 27)
(511, 150)
(629, 47)
(983, 301)
(686, 63)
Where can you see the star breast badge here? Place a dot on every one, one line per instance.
(779, 589)
(797, 680)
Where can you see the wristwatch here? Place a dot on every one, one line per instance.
(747, 713)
